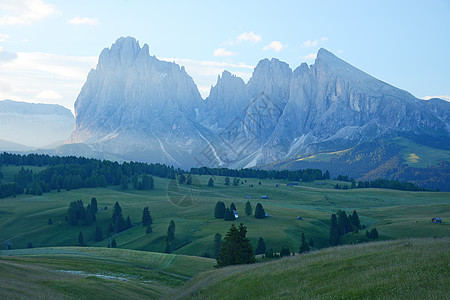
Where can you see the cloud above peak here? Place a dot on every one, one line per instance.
(249, 36)
(308, 44)
(223, 52)
(83, 21)
(275, 45)
(24, 12)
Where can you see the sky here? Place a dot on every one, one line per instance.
(47, 47)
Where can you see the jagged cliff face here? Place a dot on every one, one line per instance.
(136, 105)
(130, 89)
(145, 109)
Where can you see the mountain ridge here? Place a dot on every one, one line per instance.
(26, 125)
(136, 106)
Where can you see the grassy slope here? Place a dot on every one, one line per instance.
(407, 269)
(95, 273)
(395, 214)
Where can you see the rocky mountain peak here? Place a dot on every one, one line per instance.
(140, 106)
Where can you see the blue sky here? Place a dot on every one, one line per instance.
(47, 47)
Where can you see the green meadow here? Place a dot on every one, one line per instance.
(395, 214)
(94, 273)
(409, 259)
(401, 269)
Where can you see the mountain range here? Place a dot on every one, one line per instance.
(330, 114)
(24, 126)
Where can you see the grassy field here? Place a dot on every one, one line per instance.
(403, 269)
(94, 273)
(395, 214)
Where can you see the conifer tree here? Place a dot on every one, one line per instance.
(149, 229)
(113, 243)
(259, 211)
(167, 250)
(98, 234)
(342, 222)
(117, 218)
(151, 183)
(356, 221)
(284, 252)
(311, 243)
(146, 217)
(217, 244)
(80, 239)
(227, 181)
(334, 232)
(219, 210)
(236, 248)
(170, 232)
(189, 179)
(248, 208)
(304, 247)
(261, 246)
(181, 179)
(94, 205)
(229, 215)
(211, 182)
(233, 207)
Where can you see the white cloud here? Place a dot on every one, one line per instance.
(6, 56)
(249, 36)
(83, 21)
(45, 78)
(275, 45)
(443, 97)
(222, 52)
(4, 37)
(310, 56)
(48, 95)
(308, 44)
(24, 12)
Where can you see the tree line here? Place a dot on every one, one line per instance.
(306, 175)
(378, 183)
(227, 213)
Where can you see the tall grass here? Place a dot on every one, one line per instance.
(403, 269)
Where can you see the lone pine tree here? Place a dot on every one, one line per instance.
(261, 246)
(211, 182)
(259, 211)
(219, 210)
(170, 232)
(236, 248)
(146, 217)
(248, 208)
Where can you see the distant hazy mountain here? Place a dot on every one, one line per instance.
(137, 107)
(33, 125)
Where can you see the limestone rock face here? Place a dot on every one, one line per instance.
(137, 106)
(140, 108)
